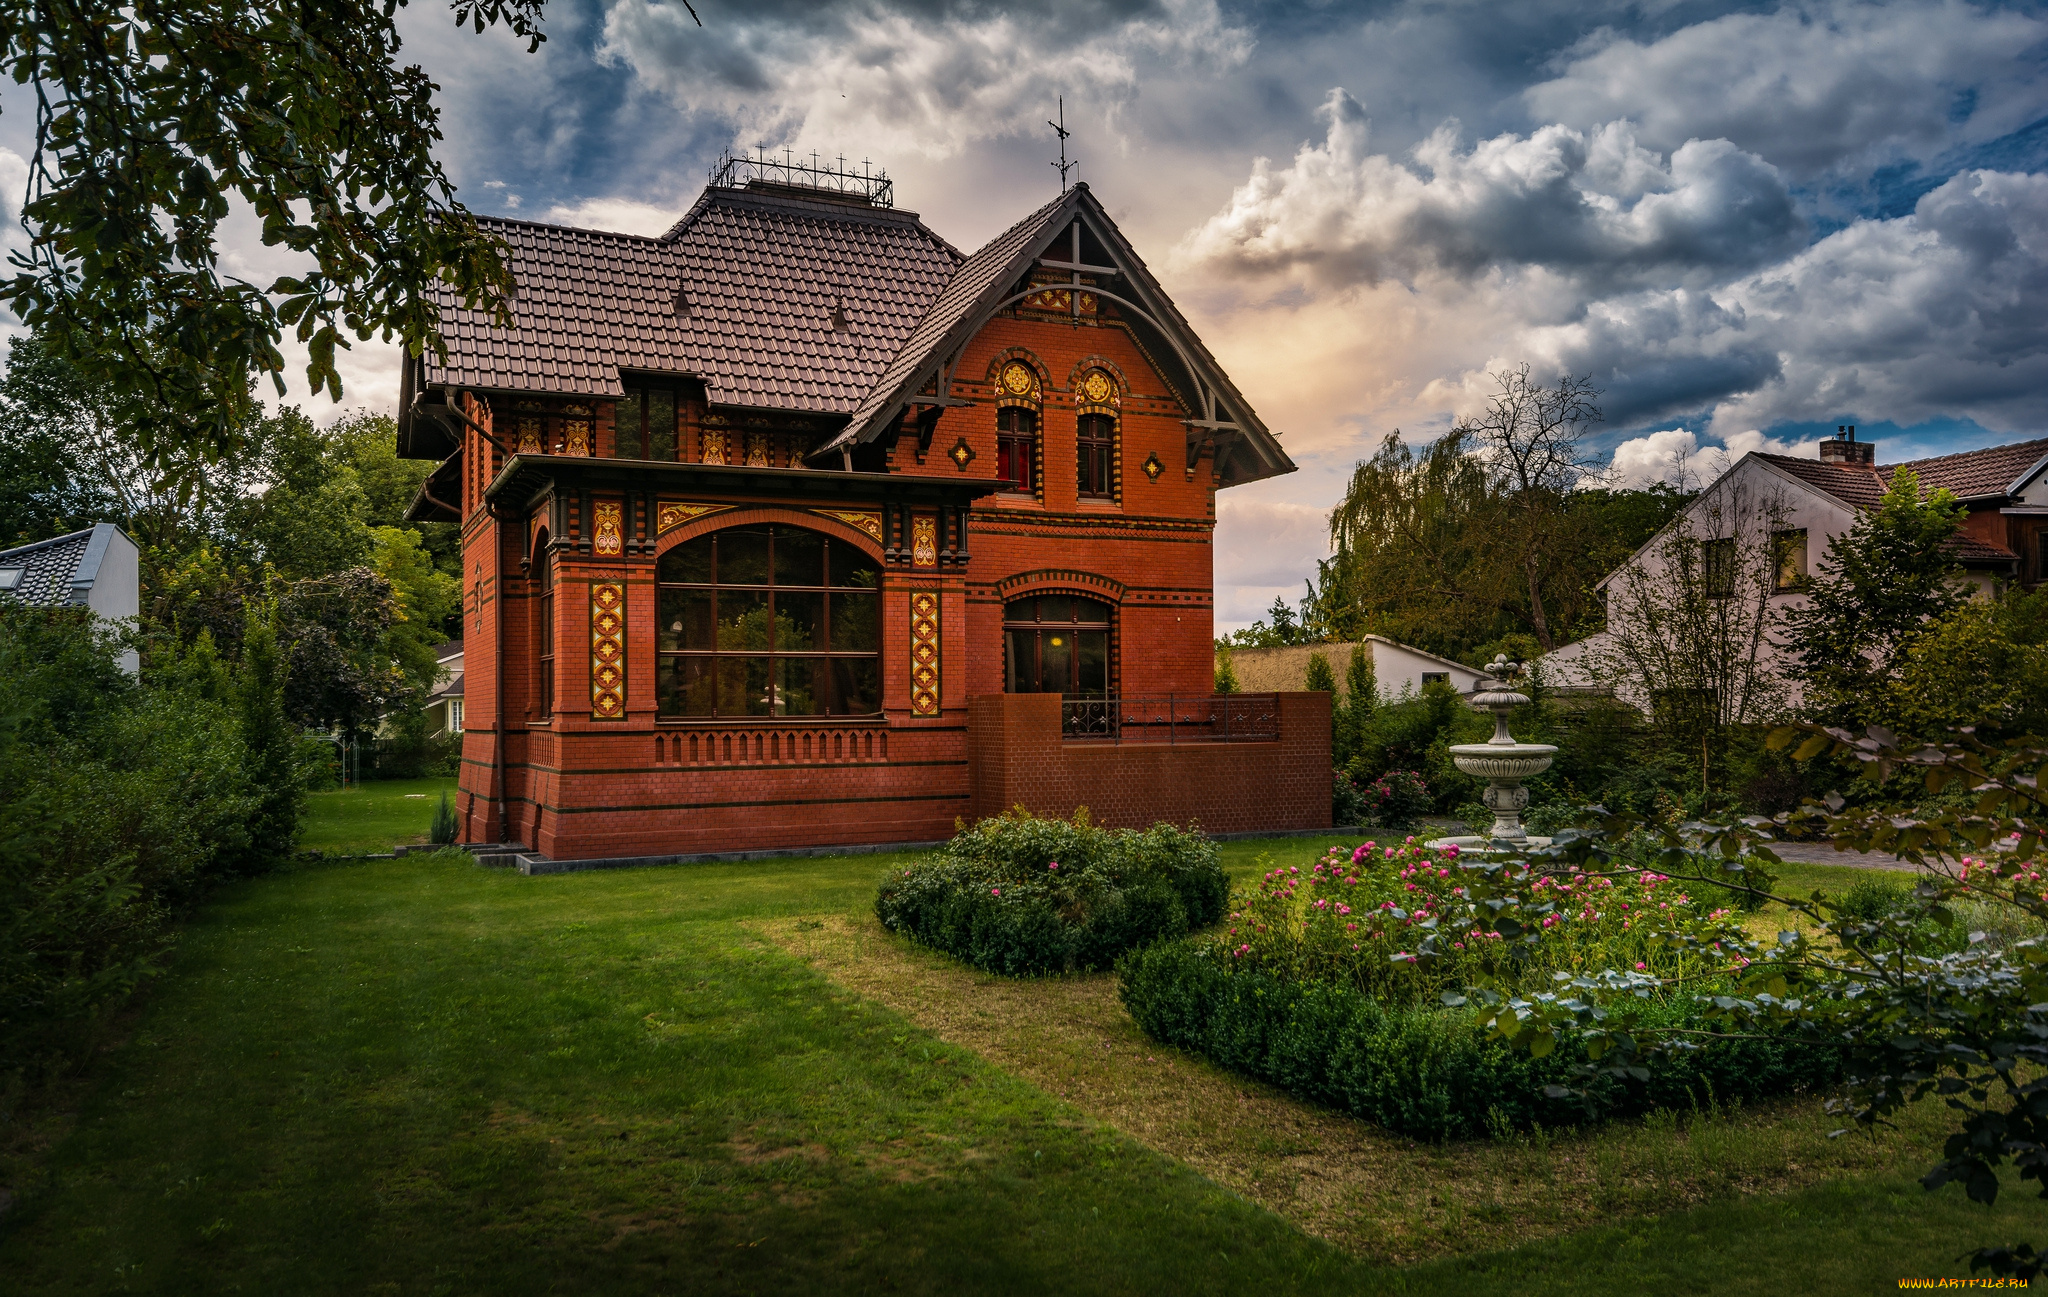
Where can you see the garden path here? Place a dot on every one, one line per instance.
(1823, 853)
(1375, 1195)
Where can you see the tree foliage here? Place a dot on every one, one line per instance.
(155, 122)
(1879, 586)
(1527, 438)
(1436, 548)
(126, 799)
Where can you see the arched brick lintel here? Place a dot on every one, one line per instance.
(1062, 581)
(1024, 356)
(746, 515)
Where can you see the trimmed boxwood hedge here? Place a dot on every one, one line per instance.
(993, 896)
(1428, 1073)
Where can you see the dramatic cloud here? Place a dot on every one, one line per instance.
(1708, 207)
(1675, 456)
(619, 215)
(1809, 86)
(1930, 314)
(1593, 204)
(1265, 549)
(912, 80)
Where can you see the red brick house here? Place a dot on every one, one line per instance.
(796, 527)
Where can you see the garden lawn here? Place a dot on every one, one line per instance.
(373, 817)
(420, 1076)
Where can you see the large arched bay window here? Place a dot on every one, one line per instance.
(769, 621)
(1056, 644)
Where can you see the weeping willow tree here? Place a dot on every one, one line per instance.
(1410, 536)
(1499, 528)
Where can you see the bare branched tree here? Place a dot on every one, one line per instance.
(1528, 438)
(1689, 619)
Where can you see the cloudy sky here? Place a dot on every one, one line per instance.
(1747, 223)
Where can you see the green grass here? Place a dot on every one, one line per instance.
(372, 817)
(420, 1076)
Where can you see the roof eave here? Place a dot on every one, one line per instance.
(1080, 203)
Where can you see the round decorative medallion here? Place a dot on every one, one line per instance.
(1097, 387)
(1018, 380)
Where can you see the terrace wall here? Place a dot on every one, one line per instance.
(1017, 757)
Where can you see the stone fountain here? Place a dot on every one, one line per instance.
(1501, 762)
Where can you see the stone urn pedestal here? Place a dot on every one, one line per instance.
(1503, 763)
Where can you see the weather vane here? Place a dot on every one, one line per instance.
(1059, 128)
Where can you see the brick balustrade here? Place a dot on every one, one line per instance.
(1018, 757)
(770, 745)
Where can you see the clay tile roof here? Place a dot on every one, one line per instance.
(1968, 547)
(1858, 486)
(762, 272)
(1968, 475)
(1863, 487)
(959, 297)
(1973, 474)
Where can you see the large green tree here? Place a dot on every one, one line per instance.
(1426, 550)
(1879, 586)
(156, 119)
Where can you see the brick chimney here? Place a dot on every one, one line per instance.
(1843, 448)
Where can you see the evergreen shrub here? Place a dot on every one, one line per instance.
(1346, 806)
(1429, 1073)
(125, 800)
(1021, 895)
(445, 826)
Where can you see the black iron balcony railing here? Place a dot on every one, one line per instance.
(1172, 718)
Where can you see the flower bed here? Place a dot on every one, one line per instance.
(1021, 895)
(1317, 987)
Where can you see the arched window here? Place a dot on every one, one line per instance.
(1016, 446)
(769, 621)
(543, 632)
(1056, 644)
(1096, 438)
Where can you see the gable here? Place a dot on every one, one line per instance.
(1073, 237)
(1802, 496)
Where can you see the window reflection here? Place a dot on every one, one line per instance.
(768, 621)
(1056, 644)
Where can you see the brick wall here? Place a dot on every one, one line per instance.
(1018, 758)
(574, 787)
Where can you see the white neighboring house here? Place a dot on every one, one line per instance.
(1806, 503)
(444, 705)
(97, 568)
(1399, 668)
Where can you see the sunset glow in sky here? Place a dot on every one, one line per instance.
(1747, 223)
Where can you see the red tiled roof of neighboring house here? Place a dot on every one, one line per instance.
(762, 271)
(1969, 547)
(1974, 474)
(1858, 485)
(1966, 475)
